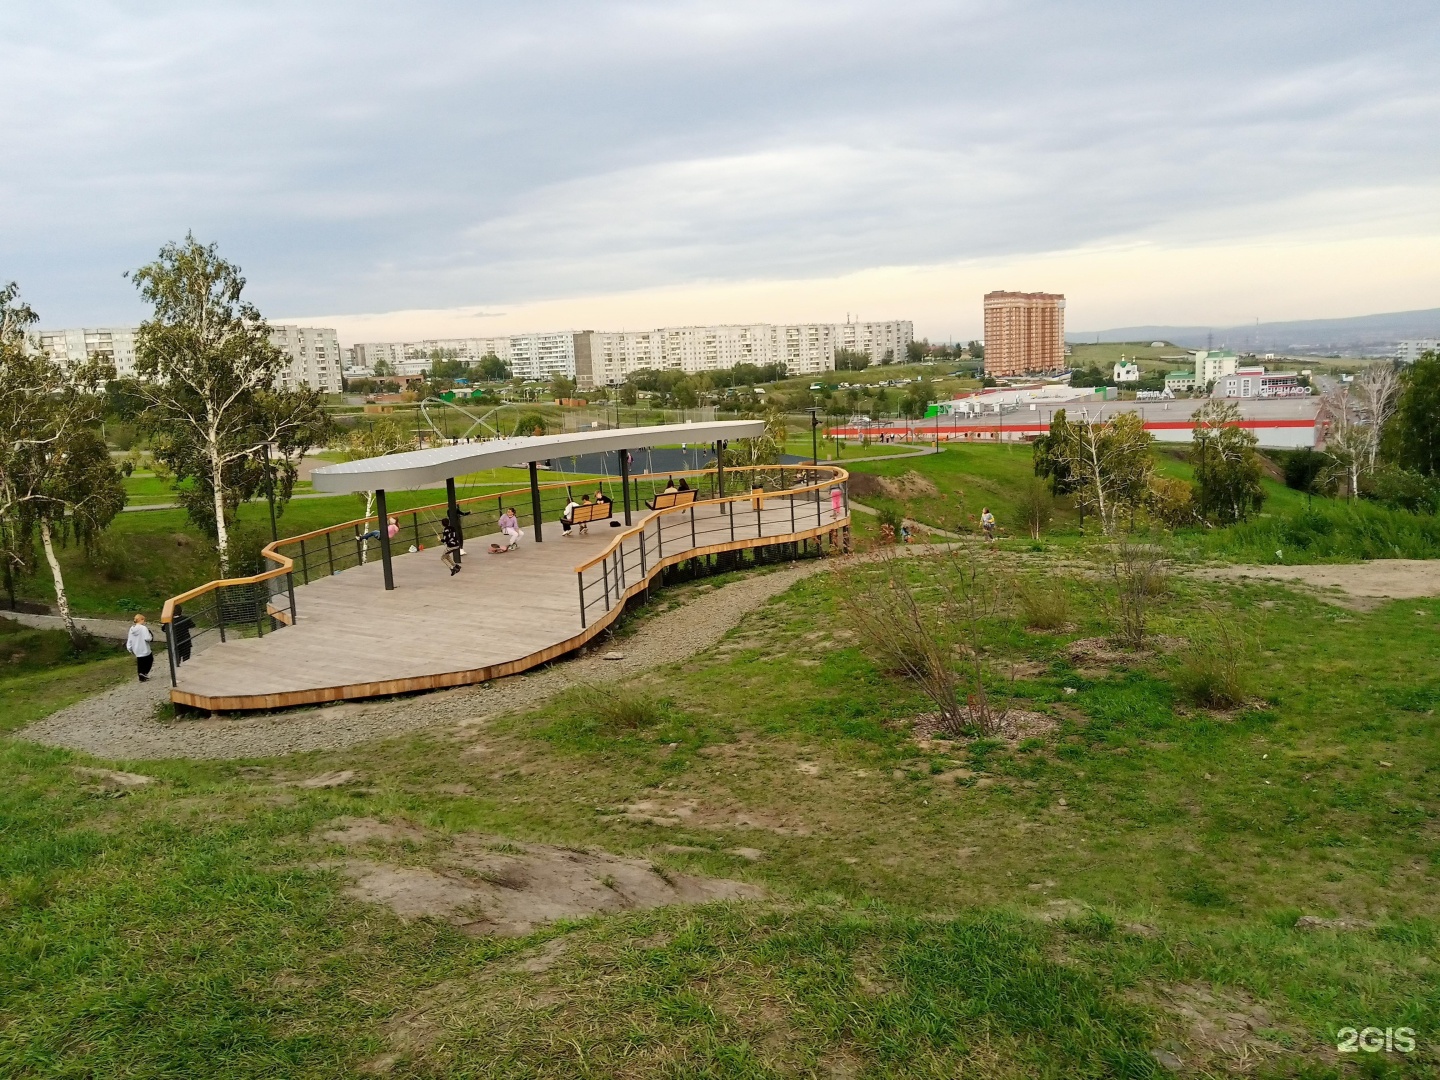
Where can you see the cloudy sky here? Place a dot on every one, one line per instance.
(428, 168)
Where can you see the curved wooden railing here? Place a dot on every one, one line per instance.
(261, 603)
(760, 512)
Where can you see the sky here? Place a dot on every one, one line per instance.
(434, 169)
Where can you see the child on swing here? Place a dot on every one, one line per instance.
(510, 529)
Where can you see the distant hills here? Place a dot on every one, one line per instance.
(1363, 335)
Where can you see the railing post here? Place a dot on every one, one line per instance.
(580, 575)
(414, 528)
(791, 500)
(642, 553)
(304, 565)
(220, 610)
(605, 573)
(660, 536)
(819, 519)
(730, 514)
(170, 651)
(329, 554)
(693, 541)
(290, 588)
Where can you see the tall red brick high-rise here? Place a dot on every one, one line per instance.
(1024, 333)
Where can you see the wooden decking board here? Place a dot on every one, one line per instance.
(502, 614)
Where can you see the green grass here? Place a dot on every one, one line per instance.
(195, 927)
(41, 671)
(1329, 531)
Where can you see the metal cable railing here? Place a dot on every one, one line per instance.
(769, 510)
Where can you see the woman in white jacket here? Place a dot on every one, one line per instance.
(137, 643)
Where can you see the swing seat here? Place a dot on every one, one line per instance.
(588, 512)
(667, 499)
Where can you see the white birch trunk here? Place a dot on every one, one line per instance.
(61, 600)
(222, 537)
(365, 544)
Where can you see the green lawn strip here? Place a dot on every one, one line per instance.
(192, 924)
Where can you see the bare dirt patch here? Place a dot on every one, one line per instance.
(1359, 586)
(697, 815)
(489, 885)
(1018, 724)
(909, 485)
(1225, 1029)
(114, 780)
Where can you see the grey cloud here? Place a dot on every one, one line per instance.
(366, 156)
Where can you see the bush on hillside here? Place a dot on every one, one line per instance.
(1330, 532)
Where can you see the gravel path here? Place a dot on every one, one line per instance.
(120, 724)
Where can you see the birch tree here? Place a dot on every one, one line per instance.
(1106, 463)
(1377, 394)
(208, 374)
(1227, 467)
(56, 476)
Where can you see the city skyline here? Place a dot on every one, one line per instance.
(678, 164)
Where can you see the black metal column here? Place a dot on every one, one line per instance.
(535, 499)
(720, 472)
(454, 513)
(625, 481)
(385, 539)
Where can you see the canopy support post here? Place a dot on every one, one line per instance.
(385, 539)
(625, 482)
(535, 499)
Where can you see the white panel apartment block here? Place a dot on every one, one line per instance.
(113, 343)
(1407, 352)
(314, 355)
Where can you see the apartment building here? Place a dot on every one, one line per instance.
(115, 344)
(413, 357)
(1024, 333)
(1407, 352)
(1212, 365)
(877, 340)
(604, 358)
(543, 356)
(313, 353)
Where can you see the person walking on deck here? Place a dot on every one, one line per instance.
(137, 644)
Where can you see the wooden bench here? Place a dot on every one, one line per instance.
(585, 513)
(669, 499)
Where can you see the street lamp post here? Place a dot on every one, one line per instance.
(814, 435)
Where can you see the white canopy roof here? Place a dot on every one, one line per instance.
(420, 468)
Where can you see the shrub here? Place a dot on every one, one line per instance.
(1171, 502)
(1212, 673)
(921, 640)
(1330, 532)
(1044, 605)
(1035, 506)
(619, 709)
(1139, 574)
(112, 559)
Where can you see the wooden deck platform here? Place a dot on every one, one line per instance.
(501, 615)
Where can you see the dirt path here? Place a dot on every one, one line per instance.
(121, 723)
(1362, 586)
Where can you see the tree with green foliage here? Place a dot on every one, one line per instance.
(976, 350)
(1227, 485)
(1417, 417)
(562, 386)
(917, 398)
(851, 360)
(530, 423)
(764, 449)
(209, 374)
(493, 369)
(917, 351)
(382, 367)
(1106, 463)
(56, 475)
